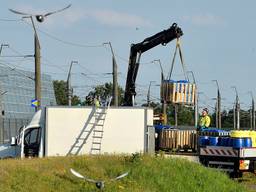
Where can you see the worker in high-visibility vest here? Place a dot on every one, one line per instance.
(205, 120)
(97, 101)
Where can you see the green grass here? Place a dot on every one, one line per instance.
(146, 174)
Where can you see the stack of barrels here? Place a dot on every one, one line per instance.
(234, 138)
(177, 140)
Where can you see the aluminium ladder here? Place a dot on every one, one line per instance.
(98, 130)
(83, 135)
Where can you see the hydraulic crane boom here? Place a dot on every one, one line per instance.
(136, 50)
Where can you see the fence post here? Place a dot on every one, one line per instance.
(1, 130)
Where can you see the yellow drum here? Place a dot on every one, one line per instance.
(242, 134)
(253, 136)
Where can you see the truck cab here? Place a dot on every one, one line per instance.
(28, 142)
(30, 138)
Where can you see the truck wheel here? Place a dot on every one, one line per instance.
(236, 174)
(204, 161)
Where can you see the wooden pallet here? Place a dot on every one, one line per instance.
(178, 140)
(178, 93)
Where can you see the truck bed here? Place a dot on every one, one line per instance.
(221, 151)
(231, 160)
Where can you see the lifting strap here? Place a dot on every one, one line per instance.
(181, 59)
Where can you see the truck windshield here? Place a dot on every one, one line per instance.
(32, 136)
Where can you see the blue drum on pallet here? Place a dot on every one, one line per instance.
(224, 141)
(238, 142)
(213, 141)
(247, 142)
(230, 142)
(203, 140)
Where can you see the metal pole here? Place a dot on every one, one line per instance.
(164, 103)
(238, 112)
(196, 100)
(115, 83)
(218, 106)
(237, 104)
(162, 71)
(216, 115)
(148, 95)
(196, 109)
(69, 84)
(252, 113)
(234, 116)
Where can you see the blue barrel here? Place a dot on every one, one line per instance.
(238, 142)
(247, 142)
(224, 141)
(213, 141)
(230, 142)
(203, 140)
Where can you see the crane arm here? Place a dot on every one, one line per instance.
(136, 50)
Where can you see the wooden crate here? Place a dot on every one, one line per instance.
(178, 92)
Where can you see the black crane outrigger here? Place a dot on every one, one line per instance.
(136, 50)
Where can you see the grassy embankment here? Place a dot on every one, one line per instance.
(145, 174)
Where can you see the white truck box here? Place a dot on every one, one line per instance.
(56, 131)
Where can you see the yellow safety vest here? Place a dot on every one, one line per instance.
(205, 121)
(97, 103)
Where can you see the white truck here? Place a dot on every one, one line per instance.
(61, 131)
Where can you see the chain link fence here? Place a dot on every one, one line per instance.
(10, 127)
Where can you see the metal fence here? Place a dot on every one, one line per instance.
(10, 127)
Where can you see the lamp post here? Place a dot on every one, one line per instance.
(37, 65)
(37, 62)
(237, 109)
(196, 99)
(115, 84)
(162, 71)
(164, 103)
(252, 113)
(69, 83)
(148, 95)
(218, 106)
